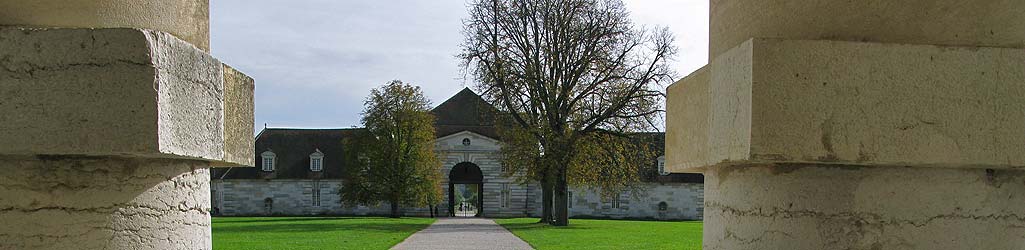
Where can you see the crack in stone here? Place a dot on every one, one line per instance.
(866, 217)
(116, 208)
(32, 68)
(731, 235)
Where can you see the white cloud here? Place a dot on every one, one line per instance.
(315, 60)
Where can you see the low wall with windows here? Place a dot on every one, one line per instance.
(298, 197)
(668, 201)
(289, 197)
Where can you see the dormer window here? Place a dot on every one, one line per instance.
(317, 161)
(662, 165)
(268, 160)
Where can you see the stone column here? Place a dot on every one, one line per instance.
(107, 135)
(186, 19)
(856, 125)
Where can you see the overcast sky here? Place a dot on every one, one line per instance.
(314, 61)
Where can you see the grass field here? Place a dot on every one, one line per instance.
(293, 233)
(607, 234)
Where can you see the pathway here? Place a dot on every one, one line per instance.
(463, 234)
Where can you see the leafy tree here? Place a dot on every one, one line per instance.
(570, 74)
(612, 164)
(393, 158)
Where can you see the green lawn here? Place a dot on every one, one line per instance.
(313, 232)
(607, 234)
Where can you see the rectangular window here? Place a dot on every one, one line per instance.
(216, 201)
(316, 164)
(506, 195)
(316, 194)
(662, 166)
(268, 164)
(612, 201)
(569, 199)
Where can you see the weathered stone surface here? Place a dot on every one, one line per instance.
(854, 103)
(234, 197)
(55, 202)
(941, 22)
(186, 19)
(684, 201)
(241, 197)
(238, 117)
(190, 98)
(688, 108)
(109, 92)
(812, 206)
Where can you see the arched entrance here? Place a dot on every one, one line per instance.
(465, 187)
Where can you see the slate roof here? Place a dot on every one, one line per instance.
(465, 111)
(657, 141)
(292, 148)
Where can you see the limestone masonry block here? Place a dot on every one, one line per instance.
(117, 92)
(815, 206)
(186, 19)
(856, 103)
(943, 22)
(238, 117)
(57, 202)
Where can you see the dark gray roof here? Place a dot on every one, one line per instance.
(465, 111)
(292, 148)
(657, 142)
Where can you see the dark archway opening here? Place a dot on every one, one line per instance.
(465, 189)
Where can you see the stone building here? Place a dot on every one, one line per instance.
(299, 172)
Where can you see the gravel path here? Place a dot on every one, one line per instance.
(463, 233)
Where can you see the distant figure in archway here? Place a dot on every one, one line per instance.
(465, 175)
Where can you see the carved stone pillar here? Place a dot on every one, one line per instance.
(856, 125)
(107, 135)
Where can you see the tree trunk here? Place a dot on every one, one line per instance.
(395, 209)
(561, 208)
(546, 201)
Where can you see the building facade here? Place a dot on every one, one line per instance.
(299, 172)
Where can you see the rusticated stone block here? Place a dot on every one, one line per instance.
(186, 19)
(941, 22)
(855, 103)
(817, 206)
(238, 117)
(119, 92)
(57, 202)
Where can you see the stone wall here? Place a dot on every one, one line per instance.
(241, 197)
(246, 197)
(483, 152)
(684, 201)
(289, 197)
(296, 197)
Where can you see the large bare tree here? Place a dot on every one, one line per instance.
(566, 72)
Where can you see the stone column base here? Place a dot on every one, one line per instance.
(104, 203)
(819, 206)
